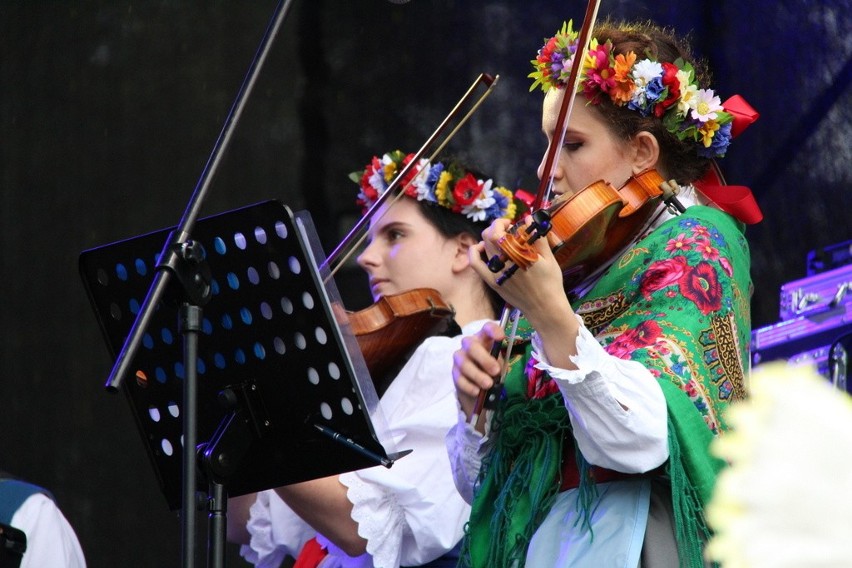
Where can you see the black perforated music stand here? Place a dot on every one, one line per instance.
(282, 391)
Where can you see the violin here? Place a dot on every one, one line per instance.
(391, 328)
(587, 228)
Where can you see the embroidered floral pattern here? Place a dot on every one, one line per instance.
(676, 293)
(539, 383)
(644, 335)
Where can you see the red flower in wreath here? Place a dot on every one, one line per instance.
(370, 196)
(669, 79)
(546, 55)
(701, 285)
(466, 190)
(410, 190)
(643, 335)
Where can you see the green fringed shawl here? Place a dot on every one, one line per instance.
(692, 472)
(698, 358)
(522, 479)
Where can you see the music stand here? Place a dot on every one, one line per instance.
(282, 396)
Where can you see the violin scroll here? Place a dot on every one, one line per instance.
(516, 245)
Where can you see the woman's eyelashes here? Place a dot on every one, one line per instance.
(392, 233)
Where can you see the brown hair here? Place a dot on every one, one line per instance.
(678, 158)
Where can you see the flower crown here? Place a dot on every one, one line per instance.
(447, 185)
(665, 90)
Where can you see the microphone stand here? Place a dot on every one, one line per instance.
(183, 258)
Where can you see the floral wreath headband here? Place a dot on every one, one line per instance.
(448, 185)
(665, 90)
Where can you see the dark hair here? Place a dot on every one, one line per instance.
(678, 158)
(451, 225)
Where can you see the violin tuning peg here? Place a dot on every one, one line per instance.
(496, 264)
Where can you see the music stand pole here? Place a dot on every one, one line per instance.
(218, 524)
(168, 260)
(190, 326)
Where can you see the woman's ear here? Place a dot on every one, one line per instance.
(463, 243)
(646, 151)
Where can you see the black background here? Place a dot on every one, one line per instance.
(109, 111)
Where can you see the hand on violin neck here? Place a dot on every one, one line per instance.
(474, 368)
(532, 290)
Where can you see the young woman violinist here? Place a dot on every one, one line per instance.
(596, 455)
(410, 514)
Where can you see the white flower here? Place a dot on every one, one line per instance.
(706, 105)
(377, 181)
(786, 498)
(420, 181)
(646, 71)
(476, 210)
(643, 73)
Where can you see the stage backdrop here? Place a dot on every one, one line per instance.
(109, 111)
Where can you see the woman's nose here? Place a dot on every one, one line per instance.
(543, 164)
(368, 257)
(556, 167)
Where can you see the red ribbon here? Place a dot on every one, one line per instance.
(525, 197)
(311, 555)
(736, 200)
(743, 113)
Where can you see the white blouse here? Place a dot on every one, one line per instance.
(51, 541)
(617, 412)
(409, 514)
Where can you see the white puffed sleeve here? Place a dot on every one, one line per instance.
(465, 449)
(411, 513)
(617, 408)
(51, 541)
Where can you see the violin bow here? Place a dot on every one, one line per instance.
(356, 236)
(545, 186)
(546, 183)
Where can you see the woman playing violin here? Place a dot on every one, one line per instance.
(596, 454)
(410, 514)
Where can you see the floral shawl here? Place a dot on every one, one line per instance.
(678, 302)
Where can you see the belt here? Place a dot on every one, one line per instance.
(596, 474)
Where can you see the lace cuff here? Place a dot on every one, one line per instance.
(464, 445)
(379, 516)
(275, 530)
(591, 358)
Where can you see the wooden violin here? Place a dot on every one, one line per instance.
(586, 228)
(388, 330)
